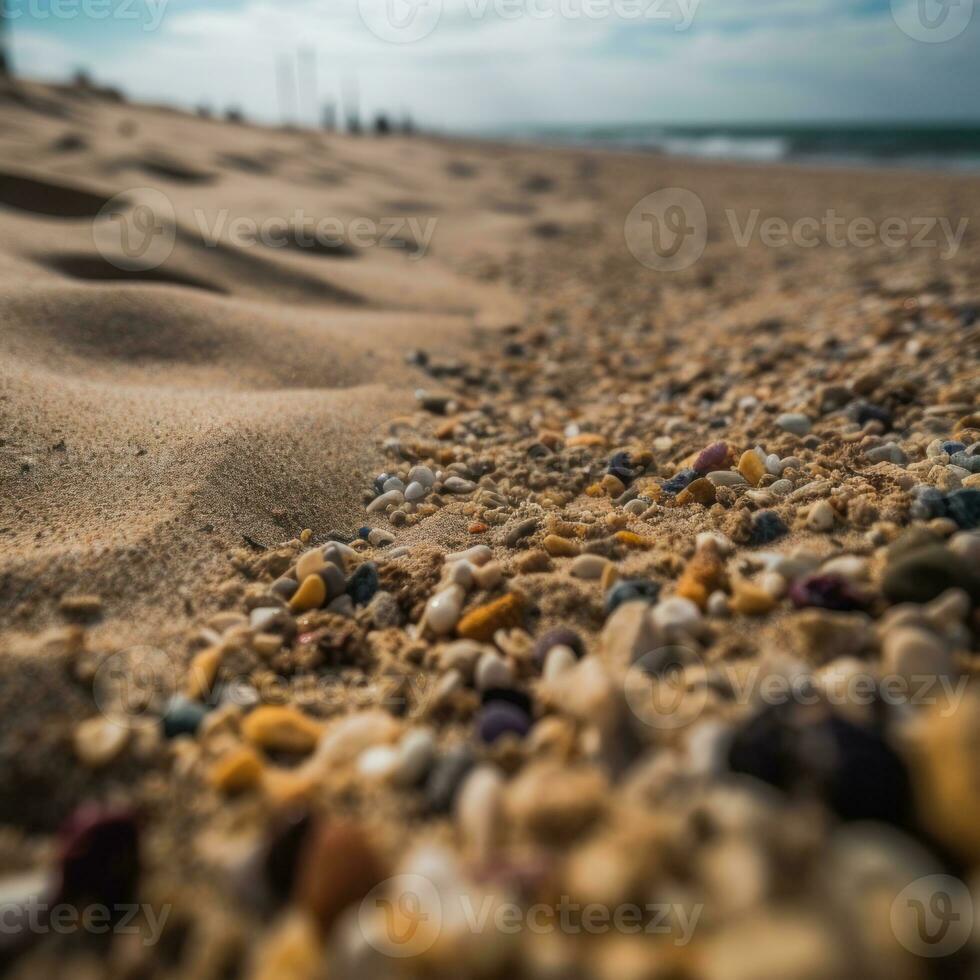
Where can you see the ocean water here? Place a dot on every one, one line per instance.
(946, 147)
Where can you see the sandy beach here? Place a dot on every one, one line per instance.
(209, 462)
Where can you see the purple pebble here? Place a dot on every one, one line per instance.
(501, 718)
(712, 458)
(562, 636)
(826, 592)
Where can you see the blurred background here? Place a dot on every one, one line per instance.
(837, 79)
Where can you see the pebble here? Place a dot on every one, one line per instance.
(390, 499)
(589, 567)
(310, 595)
(443, 610)
(182, 716)
(492, 671)
(379, 538)
(700, 491)
(479, 554)
(336, 870)
(237, 771)
(851, 567)
(926, 573)
(280, 728)
(456, 484)
(794, 422)
(809, 750)
(767, 526)
(781, 487)
(825, 591)
(484, 621)
(520, 531)
(285, 587)
(963, 507)
(415, 491)
(499, 718)
(560, 547)
(489, 576)
(416, 753)
(676, 483)
(479, 812)
(350, 736)
(821, 516)
(752, 467)
(99, 856)
(912, 652)
(363, 584)
(714, 457)
(727, 478)
(447, 776)
(98, 741)
(967, 546)
(561, 636)
(751, 600)
(392, 483)
(676, 613)
(558, 660)
(628, 590)
(628, 635)
(889, 453)
(310, 563)
(422, 475)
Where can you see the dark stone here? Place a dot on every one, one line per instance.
(865, 412)
(827, 592)
(500, 718)
(183, 717)
(628, 590)
(810, 752)
(767, 526)
(379, 483)
(561, 636)
(952, 447)
(446, 777)
(363, 532)
(99, 856)
(284, 587)
(680, 481)
(963, 506)
(363, 584)
(925, 573)
(508, 695)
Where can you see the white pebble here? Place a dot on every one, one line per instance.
(847, 566)
(774, 464)
(794, 422)
(718, 604)
(392, 497)
(479, 555)
(821, 516)
(489, 576)
(589, 567)
(456, 484)
(378, 762)
(423, 475)
(258, 619)
(415, 491)
(392, 483)
(379, 538)
(479, 811)
(727, 478)
(676, 612)
(443, 609)
(560, 658)
(459, 573)
(492, 671)
(415, 757)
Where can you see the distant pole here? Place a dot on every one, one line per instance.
(306, 70)
(286, 88)
(4, 35)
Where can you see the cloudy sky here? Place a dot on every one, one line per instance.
(485, 63)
